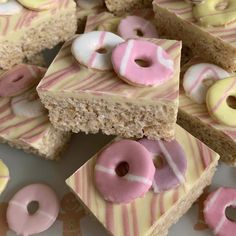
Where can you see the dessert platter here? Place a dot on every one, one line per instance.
(117, 117)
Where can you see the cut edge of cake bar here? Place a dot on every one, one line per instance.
(123, 119)
(45, 35)
(213, 138)
(50, 147)
(213, 49)
(120, 7)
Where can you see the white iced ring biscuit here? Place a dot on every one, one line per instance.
(10, 7)
(199, 77)
(94, 49)
(28, 105)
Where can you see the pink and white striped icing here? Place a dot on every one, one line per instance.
(135, 183)
(195, 77)
(10, 7)
(214, 211)
(23, 223)
(12, 26)
(172, 173)
(160, 66)
(23, 128)
(129, 26)
(128, 219)
(84, 48)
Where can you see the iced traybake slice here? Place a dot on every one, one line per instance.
(127, 168)
(125, 6)
(85, 99)
(206, 27)
(31, 28)
(207, 111)
(24, 122)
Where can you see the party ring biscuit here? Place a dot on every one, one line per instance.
(10, 7)
(39, 5)
(215, 12)
(219, 98)
(93, 49)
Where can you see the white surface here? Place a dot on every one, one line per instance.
(26, 169)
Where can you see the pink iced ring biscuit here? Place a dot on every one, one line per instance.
(198, 78)
(142, 63)
(135, 26)
(18, 217)
(137, 167)
(172, 173)
(214, 211)
(19, 79)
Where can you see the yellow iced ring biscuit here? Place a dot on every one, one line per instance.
(39, 5)
(215, 12)
(219, 100)
(4, 176)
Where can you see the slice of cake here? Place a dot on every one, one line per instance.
(30, 29)
(153, 213)
(85, 99)
(194, 114)
(207, 31)
(24, 122)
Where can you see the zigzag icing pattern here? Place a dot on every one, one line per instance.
(65, 75)
(184, 10)
(139, 216)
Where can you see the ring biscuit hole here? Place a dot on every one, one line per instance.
(122, 169)
(139, 32)
(231, 101)
(33, 207)
(101, 50)
(159, 162)
(230, 213)
(18, 78)
(221, 6)
(143, 62)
